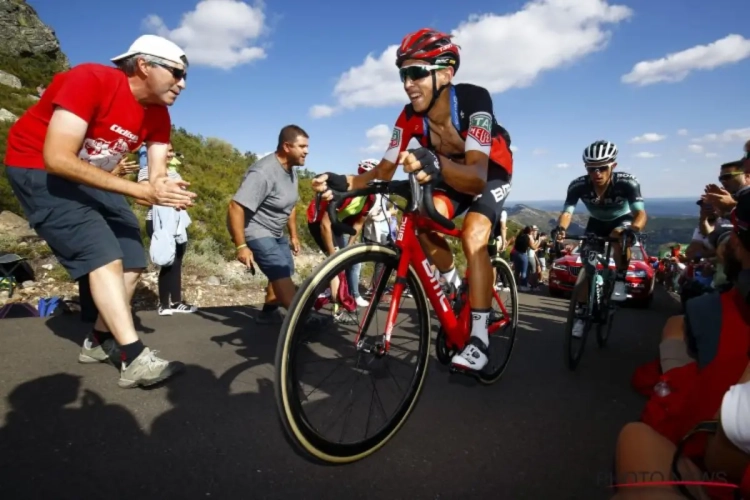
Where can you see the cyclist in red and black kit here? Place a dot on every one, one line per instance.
(464, 151)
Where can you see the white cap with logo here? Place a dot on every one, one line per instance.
(155, 46)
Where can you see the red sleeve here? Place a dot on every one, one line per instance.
(402, 133)
(158, 125)
(79, 93)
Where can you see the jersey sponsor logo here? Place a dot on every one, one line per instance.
(127, 133)
(500, 192)
(480, 125)
(395, 138)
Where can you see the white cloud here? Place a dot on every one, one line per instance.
(321, 111)
(563, 165)
(648, 137)
(545, 35)
(514, 148)
(683, 132)
(378, 137)
(218, 33)
(729, 135)
(677, 66)
(694, 148)
(711, 155)
(645, 154)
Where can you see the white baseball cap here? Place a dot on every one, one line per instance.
(155, 46)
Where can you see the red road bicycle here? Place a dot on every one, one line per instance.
(376, 355)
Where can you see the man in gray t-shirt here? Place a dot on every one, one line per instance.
(268, 194)
(262, 206)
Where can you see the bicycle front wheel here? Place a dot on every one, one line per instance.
(356, 356)
(574, 346)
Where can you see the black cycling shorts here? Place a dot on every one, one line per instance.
(604, 228)
(490, 203)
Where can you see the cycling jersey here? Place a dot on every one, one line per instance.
(472, 116)
(474, 120)
(623, 195)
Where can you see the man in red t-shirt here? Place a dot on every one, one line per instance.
(59, 160)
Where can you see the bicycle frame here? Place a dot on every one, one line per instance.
(590, 265)
(457, 329)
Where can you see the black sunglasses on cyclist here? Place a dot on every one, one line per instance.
(417, 72)
(177, 73)
(598, 169)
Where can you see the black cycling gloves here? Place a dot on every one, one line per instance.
(337, 182)
(429, 161)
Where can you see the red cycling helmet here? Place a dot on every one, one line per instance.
(429, 45)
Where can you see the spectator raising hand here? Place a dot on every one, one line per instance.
(126, 167)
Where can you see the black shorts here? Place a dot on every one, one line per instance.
(604, 228)
(490, 203)
(85, 227)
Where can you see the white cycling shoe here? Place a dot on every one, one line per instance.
(473, 357)
(619, 291)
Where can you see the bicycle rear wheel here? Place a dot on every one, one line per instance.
(574, 346)
(503, 335)
(295, 343)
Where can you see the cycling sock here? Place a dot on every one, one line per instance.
(101, 336)
(480, 318)
(131, 351)
(673, 353)
(451, 276)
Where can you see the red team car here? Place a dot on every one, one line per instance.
(640, 277)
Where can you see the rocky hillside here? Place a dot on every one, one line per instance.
(525, 215)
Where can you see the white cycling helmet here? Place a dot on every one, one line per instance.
(367, 165)
(600, 152)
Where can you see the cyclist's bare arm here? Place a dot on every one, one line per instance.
(358, 230)
(384, 172)
(639, 220)
(564, 220)
(470, 178)
(326, 232)
(65, 137)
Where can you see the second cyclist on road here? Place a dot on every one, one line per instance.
(616, 207)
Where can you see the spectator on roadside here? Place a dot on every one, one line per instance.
(702, 374)
(261, 207)
(89, 312)
(733, 178)
(170, 276)
(59, 160)
(520, 257)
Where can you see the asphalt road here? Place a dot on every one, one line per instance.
(68, 430)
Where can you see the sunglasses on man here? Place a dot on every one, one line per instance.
(178, 73)
(417, 72)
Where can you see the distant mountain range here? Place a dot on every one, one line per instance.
(670, 219)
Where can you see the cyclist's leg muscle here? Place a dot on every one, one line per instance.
(434, 245)
(483, 216)
(616, 228)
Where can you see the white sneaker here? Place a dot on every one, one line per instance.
(472, 357)
(578, 328)
(361, 302)
(619, 292)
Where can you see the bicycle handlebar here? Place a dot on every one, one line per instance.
(416, 195)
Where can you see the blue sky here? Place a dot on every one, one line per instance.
(555, 68)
